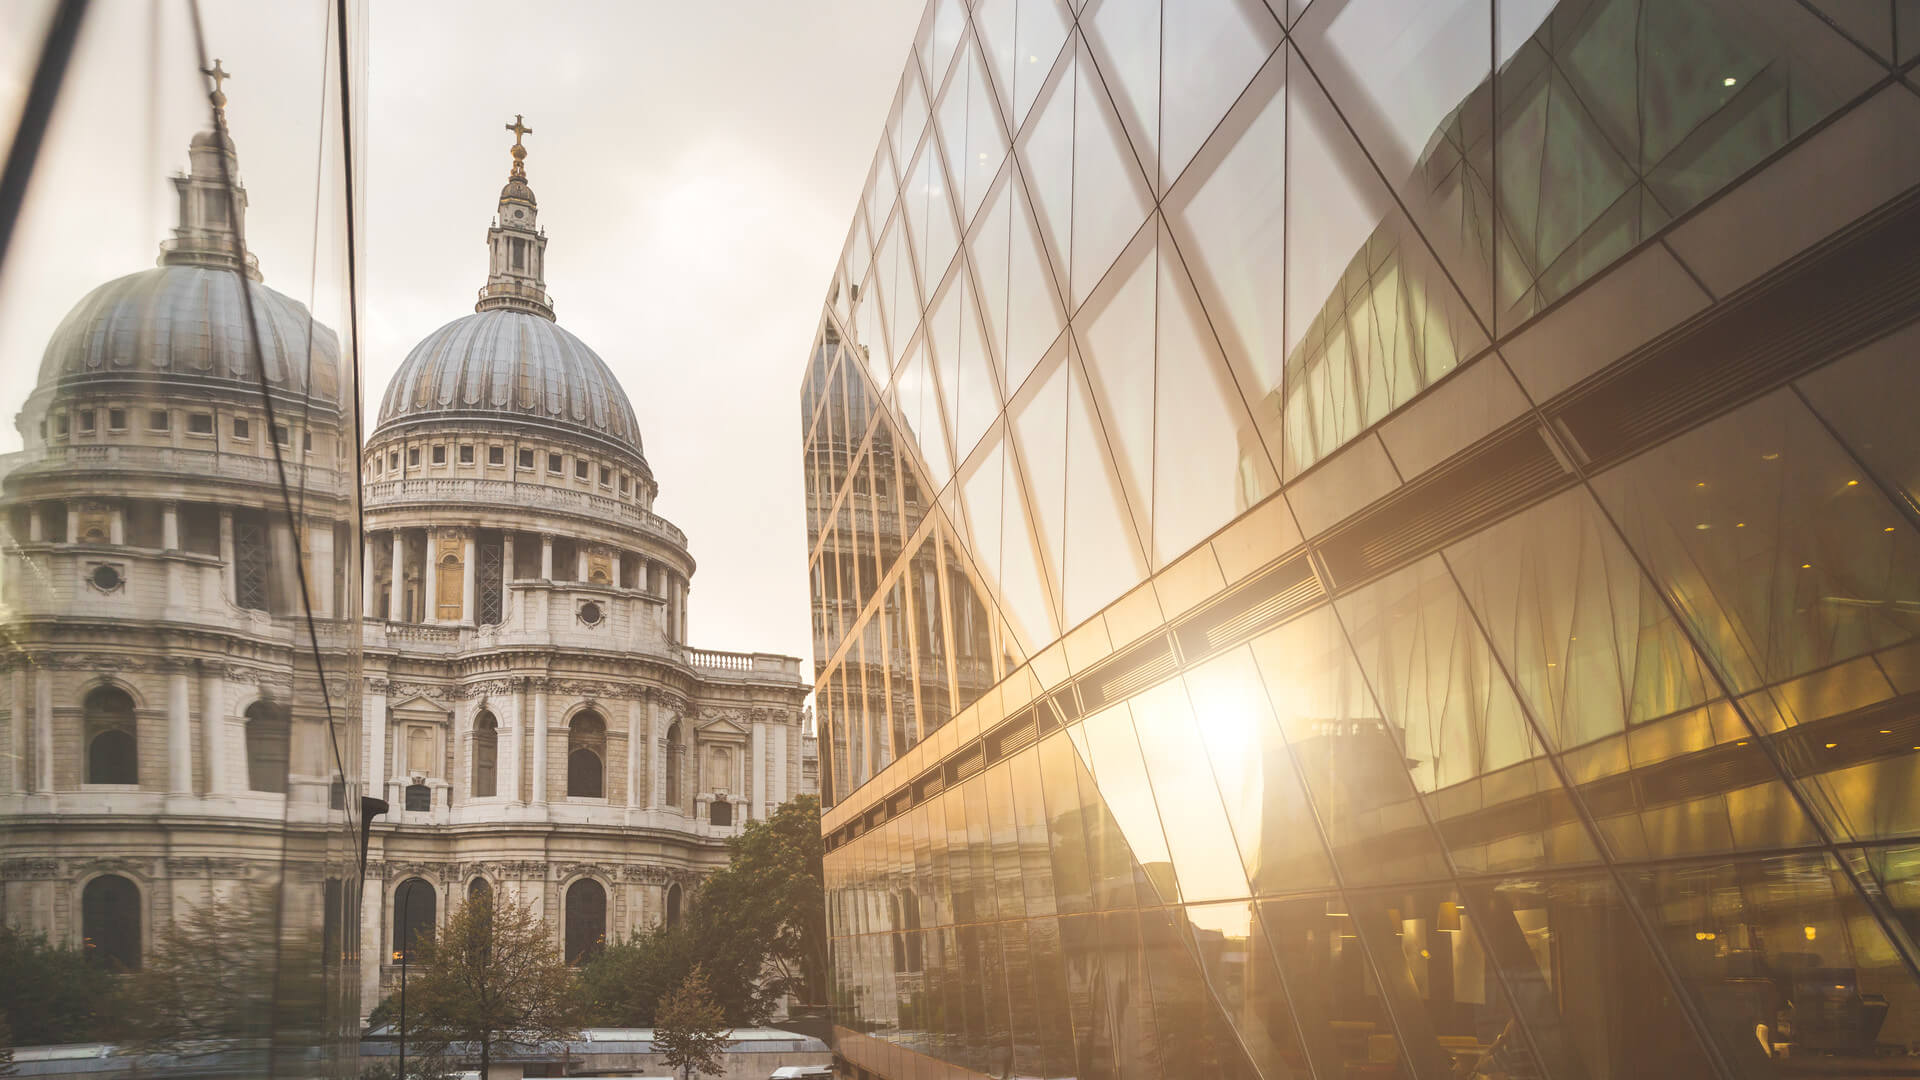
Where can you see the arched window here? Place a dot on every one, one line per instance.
(112, 744)
(720, 812)
(269, 744)
(673, 905)
(110, 922)
(479, 889)
(586, 919)
(414, 908)
(673, 764)
(586, 749)
(419, 797)
(486, 754)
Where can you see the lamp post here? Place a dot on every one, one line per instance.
(402, 954)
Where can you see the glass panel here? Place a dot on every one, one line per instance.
(1352, 764)
(1258, 783)
(1209, 463)
(1238, 962)
(1193, 1036)
(1120, 780)
(1467, 744)
(1785, 561)
(1124, 38)
(1371, 319)
(1051, 994)
(173, 330)
(1060, 769)
(1617, 117)
(1207, 54)
(1040, 31)
(1415, 86)
(1343, 1017)
(1103, 557)
(1110, 196)
(1196, 829)
(1781, 950)
(1590, 996)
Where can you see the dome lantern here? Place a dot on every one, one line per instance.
(516, 273)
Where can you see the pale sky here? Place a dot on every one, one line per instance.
(696, 163)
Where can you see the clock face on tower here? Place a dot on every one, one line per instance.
(519, 213)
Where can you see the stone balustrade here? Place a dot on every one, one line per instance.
(177, 460)
(441, 490)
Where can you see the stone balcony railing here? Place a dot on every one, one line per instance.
(177, 460)
(426, 490)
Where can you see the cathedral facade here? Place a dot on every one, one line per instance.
(181, 649)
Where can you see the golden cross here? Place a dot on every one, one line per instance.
(518, 127)
(217, 73)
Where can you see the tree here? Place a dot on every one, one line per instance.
(762, 920)
(757, 928)
(691, 1029)
(209, 981)
(492, 978)
(6, 1047)
(625, 982)
(52, 993)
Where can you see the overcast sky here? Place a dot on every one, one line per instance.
(697, 164)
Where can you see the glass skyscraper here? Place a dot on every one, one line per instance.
(1377, 539)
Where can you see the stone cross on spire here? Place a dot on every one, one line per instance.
(520, 130)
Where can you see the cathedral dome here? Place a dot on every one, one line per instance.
(504, 367)
(187, 323)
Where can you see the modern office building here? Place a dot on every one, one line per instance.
(1376, 539)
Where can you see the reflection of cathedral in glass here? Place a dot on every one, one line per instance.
(531, 710)
(1376, 540)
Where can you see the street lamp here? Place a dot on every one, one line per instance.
(402, 954)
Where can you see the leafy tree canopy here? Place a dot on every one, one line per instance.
(757, 930)
(51, 993)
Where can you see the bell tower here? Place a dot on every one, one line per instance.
(516, 271)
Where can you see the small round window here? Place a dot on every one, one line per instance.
(107, 578)
(519, 213)
(591, 614)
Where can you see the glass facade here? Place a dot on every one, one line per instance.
(1376, 539)
(179, 515)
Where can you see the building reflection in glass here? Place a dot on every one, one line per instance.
(1421, 555)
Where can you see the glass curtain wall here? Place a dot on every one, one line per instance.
(1375, 539)
(180, 808)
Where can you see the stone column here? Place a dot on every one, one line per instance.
(213, 725)
(170, 540)
(579, 562)
(513, 741)
(546, 556)
(373, 921)
(685, 585)
(226, 553)
(179, 736)
(397, 589)
(320, 569)
(377, 742)
(636, 735)
(469, 613)
(506, 573)
(366, 578)
(616, 568)
(778, 793)
(539, 745)
(37, 524)
(43, 730)
(17, 731)
(430, 585)
(73, 523)
(117, 524)
(756, 792)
